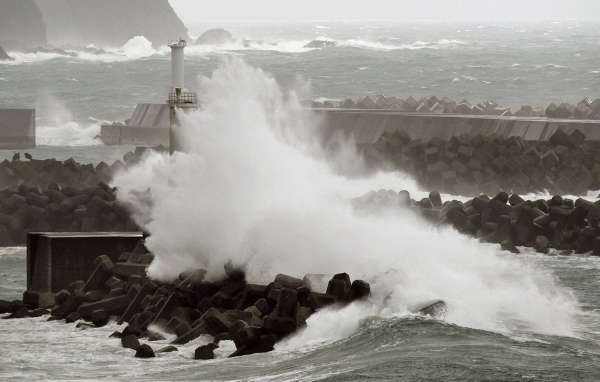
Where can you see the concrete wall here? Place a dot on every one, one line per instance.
(125, 135)
(367, 126)
(17, 128)
(54, 260)
(153, 115)
(147, 126)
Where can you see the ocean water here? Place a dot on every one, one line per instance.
(510, 318)
(513, 64)
(402, 348)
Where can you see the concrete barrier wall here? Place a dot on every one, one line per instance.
(148, 126)
(150, 115)
(126, 135)
(367, 126)
(17, 128)
(54, 259)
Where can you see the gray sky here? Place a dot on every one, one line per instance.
(193, 11)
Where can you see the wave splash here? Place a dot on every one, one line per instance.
(136, 48)
(251, 189)
(58, 126)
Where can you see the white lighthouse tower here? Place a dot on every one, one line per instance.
(179, 98)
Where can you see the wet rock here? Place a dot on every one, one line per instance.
(542, 244)
(38, 312)
(167, 349)
(205, 352)
(359, 290)
(215, 36)
(112, 306)
(144, 351)
(130, 341)
(281, 326)
(72, 317)
(100, 275)
(84, 326)
(321, 44)
(5, 307)
(99, 318)
(339, 287)
(436, 308)
(264, 344)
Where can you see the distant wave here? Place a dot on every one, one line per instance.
(300, 46)
(139, 48)
(136, 48)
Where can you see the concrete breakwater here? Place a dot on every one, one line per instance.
(562, 224)
(253, 316)
(585, 109)
(24, 169)
(59, 209)
(466, 154)
(471, 164)
(50, 195)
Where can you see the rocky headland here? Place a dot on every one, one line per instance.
(29, 24)
(22, 25)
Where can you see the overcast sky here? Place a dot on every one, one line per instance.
(194, 11)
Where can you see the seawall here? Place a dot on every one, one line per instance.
(367, 126)
(17, 128)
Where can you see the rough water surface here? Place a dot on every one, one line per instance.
(400, 348)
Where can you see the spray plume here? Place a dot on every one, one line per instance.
(251, 189)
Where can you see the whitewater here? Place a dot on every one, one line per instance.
(250, 189)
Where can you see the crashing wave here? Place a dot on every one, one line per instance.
(139, 48)
(136, 48)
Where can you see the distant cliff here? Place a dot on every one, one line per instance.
(21, 25)
(110, 22)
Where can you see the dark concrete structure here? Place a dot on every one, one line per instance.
(17, 128)
(56, 259)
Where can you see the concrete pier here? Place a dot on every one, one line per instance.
(366, 126)
(56, 259)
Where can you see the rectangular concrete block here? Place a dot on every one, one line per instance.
(54, 260)
(17, 128)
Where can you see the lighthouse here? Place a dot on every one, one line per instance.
(177, 65)
(179, 98)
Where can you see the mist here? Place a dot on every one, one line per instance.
(438, 10)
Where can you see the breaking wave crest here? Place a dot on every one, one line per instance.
(135, 49)
(58, 127)
(139, 48)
